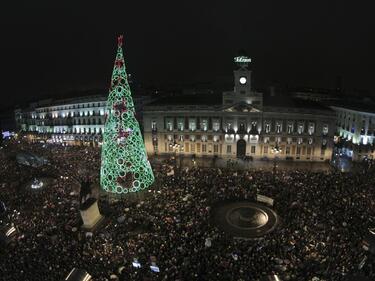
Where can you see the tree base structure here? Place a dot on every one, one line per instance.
(90, 215)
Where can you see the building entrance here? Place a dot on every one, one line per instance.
(241, 148)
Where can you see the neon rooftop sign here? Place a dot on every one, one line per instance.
(242, 59)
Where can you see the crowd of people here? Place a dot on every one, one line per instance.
(324, 218)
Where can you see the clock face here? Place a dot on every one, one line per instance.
(243, 80)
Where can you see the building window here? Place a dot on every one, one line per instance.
(180, 124)
(266, 139)
(204, 125)
(198, 148)
(311, 128)
(216, 138)
(181, 137)
(252, 149)
(216, 126)
(204, 138)
(267, 128)
(204, 148)
(287, 150)
(192, 125)
(153, 126)
(310, 141)
(324, 142)
(299, 140)
(216, 148)
(265, 149)
(289, 140)
(298, 150)
(278, 128)
(300, 128)
(325, 129)
(192, 147)
(169, 125)
(229, 149)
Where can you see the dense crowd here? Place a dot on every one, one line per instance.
(324, 217)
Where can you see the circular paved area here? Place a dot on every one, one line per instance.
(243, 219)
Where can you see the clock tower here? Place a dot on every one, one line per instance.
(242, 92)
(242, 76)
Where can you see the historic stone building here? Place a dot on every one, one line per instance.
(74, 121)
(356, 129)
(239, 123)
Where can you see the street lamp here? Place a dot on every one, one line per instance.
(275, 150)
(176, 147)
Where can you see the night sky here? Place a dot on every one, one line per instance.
(51, 49)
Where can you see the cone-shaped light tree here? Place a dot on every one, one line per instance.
(124, 166)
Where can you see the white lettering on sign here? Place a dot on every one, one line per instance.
(242, 59)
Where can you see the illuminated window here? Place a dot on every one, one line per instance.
(153, 126)
(192, 125)
(169, 125)
(204, 125)
(325, 129)
(229, 149)
(278, 128)
(311, 128)
(229, 137)
(300, 128)
(216, 126)
(267, 128)
(180, 124)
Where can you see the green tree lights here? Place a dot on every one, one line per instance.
(124, 166)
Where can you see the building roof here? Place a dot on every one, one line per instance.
(283, 101)
(364, 106)
(197, 99)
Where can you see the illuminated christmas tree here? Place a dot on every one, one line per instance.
(124, 166)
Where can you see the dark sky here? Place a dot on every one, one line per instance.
(50, 48)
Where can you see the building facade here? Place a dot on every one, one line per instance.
(356, 131)
(239, 123)
(75, 121)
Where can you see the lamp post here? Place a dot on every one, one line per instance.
(275, 151)
(176, 147)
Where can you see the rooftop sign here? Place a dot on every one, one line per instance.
(242, 59)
